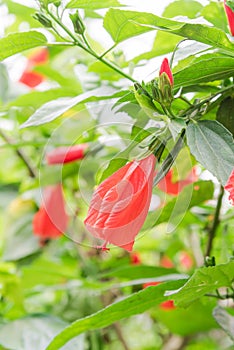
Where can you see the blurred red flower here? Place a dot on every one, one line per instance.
(167, 305)
(63, 155)
(230, 187)
(230, 17)
(166, 262)
(135, 258)
(185, 260)
(174, 188)
(51, 220)
(165, 68)
(120, 204)
(29, 77)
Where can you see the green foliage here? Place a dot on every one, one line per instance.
(204, 280)
(213, 147)
(66, 86)
(18, 42)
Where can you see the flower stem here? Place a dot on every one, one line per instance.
(215, 223)
(88, 49)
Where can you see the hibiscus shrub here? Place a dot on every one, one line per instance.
(117, 175)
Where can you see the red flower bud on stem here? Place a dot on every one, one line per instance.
(165, 68)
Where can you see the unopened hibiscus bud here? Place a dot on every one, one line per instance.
(77, 22)
(230, 187)
(62, 155)
(165, 83)
(45, 21)
(167, 305)
(120, 204)
(229, 9)
(165, 69)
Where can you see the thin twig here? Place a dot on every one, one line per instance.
(20, 153)
(120, 335)
(215, 223)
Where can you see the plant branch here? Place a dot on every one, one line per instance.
(88, 50)
(21, 155)
(120, 335)
(215, 223)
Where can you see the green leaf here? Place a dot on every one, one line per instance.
(138, 272)
(18, 42)
(132, 305)
(187, 199)
(54, 109)
(35, 333)
(204, 71)
(225, 114)
(166, 42)
(212, 145)
(93, 4)
(125, 24)
(225, 320)
(215, 14)
(204, 280)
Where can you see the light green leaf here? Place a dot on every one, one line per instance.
(53, 109)
(187, 199)
(225, 320)
(93, 4)
(125, 24)
(212, 145)
(18, 42)
(35, 333)
(204, 280)
(132, 305)
(204, 71)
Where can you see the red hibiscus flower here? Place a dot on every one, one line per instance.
(120, 204)
(165, 68)
(230, 17)
(63, 155)
(29, 77)
(230, 187)
(174, 188)
(51, 220)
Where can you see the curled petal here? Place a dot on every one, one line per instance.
(120, 204)
(230, 17)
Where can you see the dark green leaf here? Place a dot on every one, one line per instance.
(212, 145)
(132, 305)
(225, 114)
(225, 320)
(18, 42)
(204, 280)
